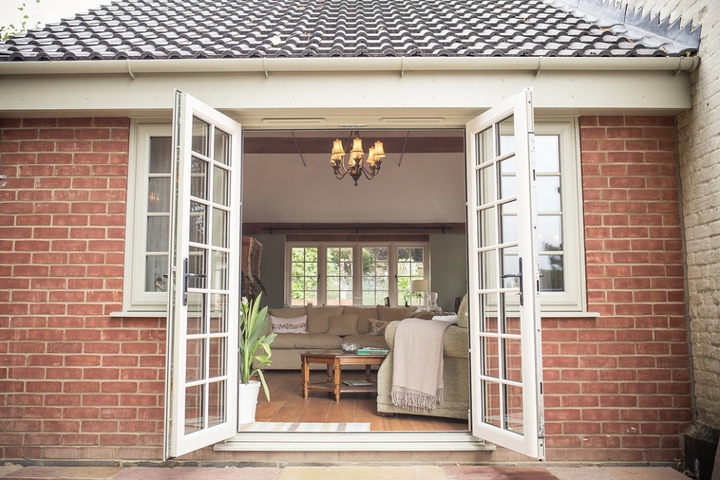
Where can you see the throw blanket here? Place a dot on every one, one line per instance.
(418, 364)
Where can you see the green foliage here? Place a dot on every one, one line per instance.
(254, 343)
(12, 29)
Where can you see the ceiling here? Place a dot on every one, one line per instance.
(288, 178)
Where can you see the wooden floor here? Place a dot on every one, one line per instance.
(288, 405)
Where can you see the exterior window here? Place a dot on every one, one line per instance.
(148, 227)
(378, 279)
(559, 245)
(559, 202)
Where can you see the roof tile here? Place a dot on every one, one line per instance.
(331, 28)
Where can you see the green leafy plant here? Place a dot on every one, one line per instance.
(254, 342)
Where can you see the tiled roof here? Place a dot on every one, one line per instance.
(184, 29)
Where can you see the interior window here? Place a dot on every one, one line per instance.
(376, 283)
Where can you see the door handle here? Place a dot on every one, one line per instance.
(186, 275)
(519, 276)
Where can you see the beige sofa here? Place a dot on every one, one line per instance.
(456, 402)
(328, 327)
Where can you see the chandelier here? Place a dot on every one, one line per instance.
(356, 166)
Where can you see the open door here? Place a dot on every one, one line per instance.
(204, 279)
(506, 367)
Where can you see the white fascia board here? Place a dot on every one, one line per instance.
(285, 92)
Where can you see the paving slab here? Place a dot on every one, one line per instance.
(198, 473)
(415, 472)
(616, 473)
(498, 473)
(61, 473)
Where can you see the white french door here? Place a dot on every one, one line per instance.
(506, 367)
(204, 278)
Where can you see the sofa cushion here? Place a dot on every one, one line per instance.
(290, 312)
(319, 318)
(289, 325)
(343, 324)
(363, 313)
(377, 327)
(387, 314)
(309, 341)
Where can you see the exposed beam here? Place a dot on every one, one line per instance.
(310, 145)
(352, 228)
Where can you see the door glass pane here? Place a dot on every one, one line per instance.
(195, 315)
(491, 405)
(198, 220)
(200, 133)
(508, 178)
(217, 356)
(220, 230)
(487, 186)
(513, 361)
(216, 403)
(199, 179)
(219, 313)
(506, 133)
(160, 155)
(515, 421)
(221, 186)
(194, 419)
(196, 268)
(218, 270)
(194, 359)
(221, 152)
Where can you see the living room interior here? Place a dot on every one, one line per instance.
(291, 194)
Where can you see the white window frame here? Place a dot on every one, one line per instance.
(573, 298)
(322, 247)
(135, 298)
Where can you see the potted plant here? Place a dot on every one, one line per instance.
(254, 346)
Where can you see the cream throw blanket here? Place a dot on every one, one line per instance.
(418, 364)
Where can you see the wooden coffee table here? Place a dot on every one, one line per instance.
(335, 359)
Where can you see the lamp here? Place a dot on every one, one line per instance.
(420, 286)
(356, 166)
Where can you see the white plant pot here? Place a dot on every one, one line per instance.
(247, 401)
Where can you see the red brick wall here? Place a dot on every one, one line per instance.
(76, 383)
(618, 386)
(71, 377)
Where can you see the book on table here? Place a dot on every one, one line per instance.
(357, 383)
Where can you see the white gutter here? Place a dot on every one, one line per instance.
(345, 64)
